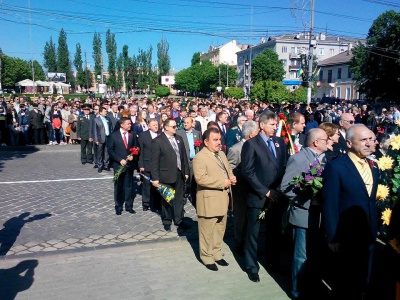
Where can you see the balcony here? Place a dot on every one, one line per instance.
(294, 68)
(294, 55)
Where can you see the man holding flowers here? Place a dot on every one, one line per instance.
(304, 212)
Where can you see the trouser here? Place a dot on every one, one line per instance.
(239, 211)
(124, 190)
(25, 131)
(174, 211)
(38, 135)
(102, 156)
(150, 197)
(95, 147)
(211, 235)
(86, 151)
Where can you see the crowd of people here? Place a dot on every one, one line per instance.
(225, 156)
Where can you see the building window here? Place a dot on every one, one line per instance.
(329, 76)
(284, 62)
(293, 50)
(293, 62)
(321, 75)
(348, 72)
(284, 49)
(321, 51)
(331, 51)
(348, 93)
(339, 73)
(342, 49)
(338, 92)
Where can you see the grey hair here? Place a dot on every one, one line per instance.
(250, 112)
(241, 118)
(312, 135)
(350, 132)
(266, 116)
(248, 128)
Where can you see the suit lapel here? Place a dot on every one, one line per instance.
(265, 149)
(355, 174)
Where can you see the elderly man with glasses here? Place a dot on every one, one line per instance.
(346, 120)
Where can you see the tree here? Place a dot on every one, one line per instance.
(164, 63)
(97, 55)
(299, 95)
(39, 73)
(120, 71)
(50, 56)
(111, 48)
(234, 92)
(376, 66)
(162, 91)
(63, 63)
(270, 92)
(195, 59)
(267, 66)
(232, 75)
(14, 70)
(80, 74)
(144, 66)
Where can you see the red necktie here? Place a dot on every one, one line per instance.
(125, 140)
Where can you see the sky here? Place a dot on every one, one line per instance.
(188, 26)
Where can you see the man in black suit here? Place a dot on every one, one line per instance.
(83, 128)
(36, 123)
(102, 130)
(118, 144)
(263, 161)
(299, 123)
(150, 197)
(190, 136)
(114, 116)
(346, 120)
(170, 166)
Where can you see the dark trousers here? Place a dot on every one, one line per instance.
(124, 190)
(86, 151)
(95, 153)
(240, 212)
(150, 197)
(174, 211)
(38, 135)
(253, 229)
(102, 157)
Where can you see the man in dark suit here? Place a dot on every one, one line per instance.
(263, 160)
(150, 197)
(151, 113)
(346, 120)
(36, 123)
(304, 214)
(299, 123)
(190, 136)
(83, 128)
(349, 194)
(114, 115)
(234, 134)
(102, 130)
(118, 144)
(170, 166)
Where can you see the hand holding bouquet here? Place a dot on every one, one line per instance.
(133, 152)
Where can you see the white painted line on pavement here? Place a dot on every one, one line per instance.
(56, 180)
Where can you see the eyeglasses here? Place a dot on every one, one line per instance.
(350, 122)
(326, 140)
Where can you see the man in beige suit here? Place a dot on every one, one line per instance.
(214, 178)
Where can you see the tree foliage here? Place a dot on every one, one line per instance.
(270, 92)
(195, 59)
(39, 72)
(111, 48)
(50, 56)
(376, 65)
(80, 73)
(14, 70)
(63, 62)
(97, 54)
(164, 63)
(267, 66)
(146, 76)
(234, 92)
(162, 91)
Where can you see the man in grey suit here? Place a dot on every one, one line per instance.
(249, 130)
(303, 213)
(101, 130)
(114, 116)
(190, 136)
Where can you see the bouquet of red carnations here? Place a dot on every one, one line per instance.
(133, 152)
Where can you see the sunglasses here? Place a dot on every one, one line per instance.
(174, 127)
(350, 122)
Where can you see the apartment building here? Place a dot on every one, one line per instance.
(223, 54)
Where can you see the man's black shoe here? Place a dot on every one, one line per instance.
(83, 163)
(222, 262)
(95, 167)
(130, 210)
(90, 162)
(212, 267)
(254, 277)
(118, 212)
(183, 225)
(99, 170)
(167, 227)
(146, 208)
(107, 169)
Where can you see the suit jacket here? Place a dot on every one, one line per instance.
(145, 144)
(99, 130)
(163, 162)
(197, 126)
(233, 136)
(349, 213)
(341, 147)
(113, 120)
(212, 198)
(36, 119)
(117, 151)
(261, 169)
(196, 137)
(299, 205)
(137, 128)
(84, 127)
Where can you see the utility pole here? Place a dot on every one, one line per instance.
(86, 71)
(251, 50)
(1, 58)
(227, 82)
(310, 57)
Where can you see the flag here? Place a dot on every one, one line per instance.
(319, 70)
(300, 71)
(168, 80)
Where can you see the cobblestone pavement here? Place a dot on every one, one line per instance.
(51, 202)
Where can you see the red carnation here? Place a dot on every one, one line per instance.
(198, 143)
(134, 150)
(371, 163)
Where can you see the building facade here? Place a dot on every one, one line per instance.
(224, 54)
(289, 48)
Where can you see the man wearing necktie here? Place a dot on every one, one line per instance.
(83, 132)
(114, 115)
(214, 179)
(263, 160)
(169, 165)
(102, 130)
(118, 145)
(349, 195)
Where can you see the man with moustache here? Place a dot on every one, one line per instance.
(83, 128)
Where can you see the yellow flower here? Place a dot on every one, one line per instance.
(386, 216)
(385, 163)
(382, 192)
(395, 143)
(398, 122)
(395, 243)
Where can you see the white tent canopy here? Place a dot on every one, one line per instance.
(25, 82)
(42, 83)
